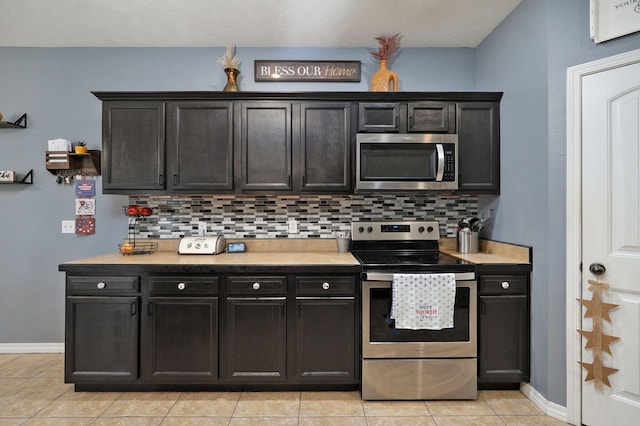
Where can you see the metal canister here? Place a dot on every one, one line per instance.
(467, 241)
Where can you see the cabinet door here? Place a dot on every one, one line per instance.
(379, 117)
(133, 143)
(430, 117)
(200, 146)
(325, 340)
(478, 147)
(503, 353)
(325, 147)
(265, 146)
(101, 343)
(256, 340)
(181, 340)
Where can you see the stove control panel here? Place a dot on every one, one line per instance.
(398, 231)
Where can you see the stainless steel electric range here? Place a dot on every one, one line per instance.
(408, 364)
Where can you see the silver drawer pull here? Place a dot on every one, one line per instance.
(101, 285)
(325, 286)
(505, 284)
(256, 286)
(182, 286)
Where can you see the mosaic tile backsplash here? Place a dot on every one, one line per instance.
(317, 216)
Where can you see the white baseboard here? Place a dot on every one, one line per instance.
(549, 408)
(31, 348)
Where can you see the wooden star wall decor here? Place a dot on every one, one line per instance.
(597, 341)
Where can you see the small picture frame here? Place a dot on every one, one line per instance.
(85, 206)
(236, 248)
(613, 18)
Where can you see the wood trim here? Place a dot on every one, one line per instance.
(32, 348)
(301, 96)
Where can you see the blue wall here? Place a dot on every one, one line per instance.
(527, 57)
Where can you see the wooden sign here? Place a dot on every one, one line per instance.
(311, 71)
(7, 176)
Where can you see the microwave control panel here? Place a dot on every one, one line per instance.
(449, 163)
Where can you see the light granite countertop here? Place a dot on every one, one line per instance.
(490, 252)
(297, 252)
(289, 252)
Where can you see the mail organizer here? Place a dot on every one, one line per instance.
(69, 163)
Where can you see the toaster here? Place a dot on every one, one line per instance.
(202, 245)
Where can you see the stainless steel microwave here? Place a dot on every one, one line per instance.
(406, 162)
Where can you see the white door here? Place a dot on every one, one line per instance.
(611, 237)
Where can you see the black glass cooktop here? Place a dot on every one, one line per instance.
(412, 261)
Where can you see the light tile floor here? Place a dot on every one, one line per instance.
(33, 392)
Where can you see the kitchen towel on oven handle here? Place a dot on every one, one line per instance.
(423, 301)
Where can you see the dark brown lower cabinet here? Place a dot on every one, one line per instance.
(256, 344)
(102, 339)
(180, 340)
(503, 349)
(175, 328)
(325, 335)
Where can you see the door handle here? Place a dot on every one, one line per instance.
(597, 268)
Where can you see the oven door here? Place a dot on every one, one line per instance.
(380, 339)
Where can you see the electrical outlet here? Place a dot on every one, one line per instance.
(68, 226)
(202, 229)
(292, 226)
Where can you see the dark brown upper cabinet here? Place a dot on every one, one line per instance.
(325, 147)
(407, 117)
(379, 117)
(478, 147)
(263, 151)
(133, 141)
(200, 146)
(281, 143)
(167, 147)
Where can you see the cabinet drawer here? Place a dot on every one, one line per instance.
(325, 286)
(103, 285)
(495, 284)
(257, 285)
(183, 286)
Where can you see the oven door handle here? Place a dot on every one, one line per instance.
(378, 276)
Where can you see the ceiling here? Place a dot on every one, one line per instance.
(248, 23)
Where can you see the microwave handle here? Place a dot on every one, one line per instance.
(440, 172)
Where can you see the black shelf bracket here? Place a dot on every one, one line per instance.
(25, 180)
(28, 176)
(20, 123)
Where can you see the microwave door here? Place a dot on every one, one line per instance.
(440, 169)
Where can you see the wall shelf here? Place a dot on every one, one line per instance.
(25, 180)
(62, 163)
(20, 123)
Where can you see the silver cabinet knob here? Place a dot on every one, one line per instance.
(505, 284)
(256, 286)
(325, 286)
(101, 285)
(182, 286)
